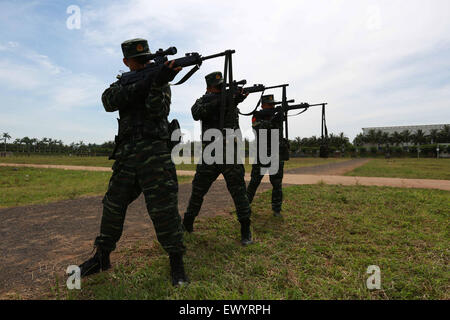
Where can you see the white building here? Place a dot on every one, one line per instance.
(413, 129)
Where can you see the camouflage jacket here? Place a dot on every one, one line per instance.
(207, 109)
(141, 109)
(268, 119)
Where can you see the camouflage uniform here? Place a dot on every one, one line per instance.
(265, 119)
(207, 109)
(143, 164)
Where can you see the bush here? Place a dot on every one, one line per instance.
(373, 150)
(362, 151)
(310, 150)
(429, 149)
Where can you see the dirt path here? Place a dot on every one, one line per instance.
(299, 179)
(338, 168)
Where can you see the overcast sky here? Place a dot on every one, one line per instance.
(376, 63)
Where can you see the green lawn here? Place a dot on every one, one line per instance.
(23, 186)
(405, 168)
(104, 162)
(320, 250)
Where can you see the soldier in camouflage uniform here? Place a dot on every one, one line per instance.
(268, 119)
(142, 163)
(207, 109)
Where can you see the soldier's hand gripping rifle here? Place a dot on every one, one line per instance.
(239, 87)
(160, 57)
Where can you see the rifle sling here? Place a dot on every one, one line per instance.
(254, 110)
(187, 75)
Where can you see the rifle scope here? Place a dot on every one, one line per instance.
(161, 53)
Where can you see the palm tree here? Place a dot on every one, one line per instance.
(34, 143)
(343, 138)
(371, 136)
(26, 142)
(406, 136)
(6, 136)
(298, 142)
(44, 143)
(51, 144)
(444, 134)
(434, 134)
(73, 147)
(396, 138)
(359, 140)
(419, 137)
(17, 144)
(378, 138)
(60, 145)
(384, 138)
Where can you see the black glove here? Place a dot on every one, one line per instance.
(165, 75)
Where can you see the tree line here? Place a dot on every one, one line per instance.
(405, 137)
(308, 145)
(54, 146)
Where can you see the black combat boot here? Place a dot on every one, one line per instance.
(246, 234)
(177, 273)
(100, 261)
(277, 214)
(188, 223)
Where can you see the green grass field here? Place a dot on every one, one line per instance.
(405, 168)
(104, 162)
(320, 250)
(24, 186)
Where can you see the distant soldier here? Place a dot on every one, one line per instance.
(143, 163)
(207, 109)
(268, 119)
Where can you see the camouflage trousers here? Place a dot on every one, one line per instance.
(275, 180)
(206, 174)
(143, 166)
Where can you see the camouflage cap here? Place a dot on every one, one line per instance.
(267, 99)
(214, 79)
(135, 48)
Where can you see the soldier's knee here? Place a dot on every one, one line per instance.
(116, 203)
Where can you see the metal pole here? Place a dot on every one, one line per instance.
(285, 111)
(223, 94)
(322, 122)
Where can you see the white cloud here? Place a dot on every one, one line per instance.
(334, 51)
(374, 62)
(43, 99)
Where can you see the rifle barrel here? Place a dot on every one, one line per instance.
(278, 86)
(288, 101)
(302, 106)
(218, 55)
